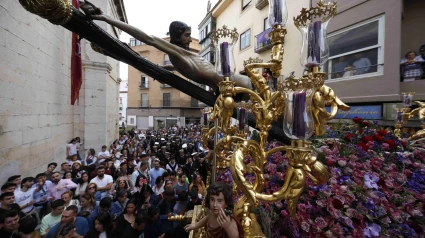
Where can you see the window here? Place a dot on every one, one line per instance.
(266, 23)
(166, 99)
(206, 29)
(144, 100)
(206, 43)
(120, 117)
(144, 82)
(132, 121)
(202, 36)
(357, 50)
(132, 42)
(120, 100)
(209, 57)
(245, 4)
(245, 39)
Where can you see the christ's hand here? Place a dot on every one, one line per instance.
(92, 11)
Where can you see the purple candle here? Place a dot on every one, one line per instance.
(224, 56)
(314, 42)
(241, 118)
(399, 117)
(299, 121)
(277, 11)
(205, 119)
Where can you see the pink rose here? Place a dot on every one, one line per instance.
(385, 146)
(284, 213)
(321, 222)
(342, 163)
(305, 226)
(333, 181)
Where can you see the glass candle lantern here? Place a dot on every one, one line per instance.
(298, 123)
(407, 99)
(225, 62)
(399, 116)
(314, 48)
(278, 12)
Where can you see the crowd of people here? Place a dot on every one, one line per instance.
(128, 189)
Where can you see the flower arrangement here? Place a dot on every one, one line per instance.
(376, 187)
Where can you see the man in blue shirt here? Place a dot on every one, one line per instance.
(70, 216)
(155, 172)
(361, 65)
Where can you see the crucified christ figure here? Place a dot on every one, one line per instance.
(189, 64)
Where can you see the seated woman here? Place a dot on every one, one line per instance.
(410, 67)
(122, 184)
(92, 190)
(198, 184)
(88, 204)
(217, 224)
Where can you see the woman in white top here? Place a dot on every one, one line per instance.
(82, 185)
(91, 158)
(158, 189)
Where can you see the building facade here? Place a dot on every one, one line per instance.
(123, 103)
(152, 104)
(250, 17)
(37, 119)
(377, 33)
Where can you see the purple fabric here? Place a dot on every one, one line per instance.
(264, 36)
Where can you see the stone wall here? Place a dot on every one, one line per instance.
(37, 119)
(36, 116)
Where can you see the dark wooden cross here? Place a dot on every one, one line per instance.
(118, 50)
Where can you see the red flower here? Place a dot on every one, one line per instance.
(377, 137)
(363, 145)
(408, 173)
(360, 131)
(348, 137)
(357, 120)
(367, 139)
(365, 123)
(403, 143)
(337, 204)
(391, 143)
(330, 162)
(382, 132)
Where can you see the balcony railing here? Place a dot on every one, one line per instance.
(179, 103)
(164, 85)
(263, 42)
(143, 86)
(260, 4)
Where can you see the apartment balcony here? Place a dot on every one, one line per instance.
(143, 86)
(179, 103)
(164, 85)
(263, 42)
(260, 4)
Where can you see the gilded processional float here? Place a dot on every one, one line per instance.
(300, 101)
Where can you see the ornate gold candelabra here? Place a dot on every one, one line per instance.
(306, 96)
(405, 113)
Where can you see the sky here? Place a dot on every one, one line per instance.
(154, 18)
